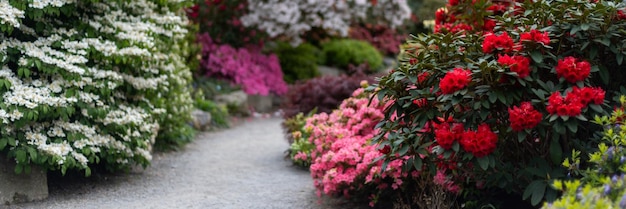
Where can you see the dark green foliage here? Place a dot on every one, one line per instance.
(343, 52)
(299, 63)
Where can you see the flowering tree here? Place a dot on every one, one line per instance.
(86, 82)
(501, 91)
(291, 19)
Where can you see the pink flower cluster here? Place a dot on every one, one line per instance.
(255, 72)
(343, 158)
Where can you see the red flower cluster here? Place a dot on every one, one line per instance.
(446, 135)
(489, 25)
(497, 42)
(422, 76)
(452, 28)
(421, 102)
(517, 64)
(621, 15)
(570, 105)
(481, 142)
(572, 70)
(536, 36)
(497, 8)
(524, 117)
(589, 94)
(455, 80)
(441, 16)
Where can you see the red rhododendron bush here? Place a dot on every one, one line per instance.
(490, 105)
(343, 160)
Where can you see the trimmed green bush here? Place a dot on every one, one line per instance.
(343, 52)
(298, 63)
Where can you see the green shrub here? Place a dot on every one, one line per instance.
(219, 113)
(299, 63)
(91, 82)
(343, 52)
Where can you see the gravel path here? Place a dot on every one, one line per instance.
(242, 167)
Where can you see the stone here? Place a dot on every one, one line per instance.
(201, 120)
(327, 70)
(19, 188)
(237, 102)
(261, 104)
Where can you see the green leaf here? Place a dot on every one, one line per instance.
(556, 153)
(538, 194)
(12, 142)
(535, 190)
(19, 168)
(27, 168)
(483, 162)
(20, 155)
(417, 163)
(584, 26)
(3, 143)
(536, 56)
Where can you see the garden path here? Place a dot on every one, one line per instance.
(241, 167)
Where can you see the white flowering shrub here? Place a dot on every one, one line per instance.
(88, 82)
(292, 18)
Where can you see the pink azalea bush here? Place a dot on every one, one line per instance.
(256, 72)
(343, 158)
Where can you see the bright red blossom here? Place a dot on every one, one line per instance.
(589, 94)
(481, 142)
(455, 80)
(517, 64)
(570, 105)
(524, 117)
(445, 135)
(497, 42)
(536, 36)
(572, 70)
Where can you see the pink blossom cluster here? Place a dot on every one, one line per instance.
(255, 72)
(343, 158)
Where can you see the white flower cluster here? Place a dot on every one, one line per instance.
(292, 18)
(9, 14)
(80, 75)
(40, 4)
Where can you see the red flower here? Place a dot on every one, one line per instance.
(572, 70)
(441, 16)
(422, 77)
(481, 142)
(589, 94)
(570, 105)
(446, 135)
(497, 42)
(517, 64)
(497, 9)
(524, 117)
(385, 150)
(453, 2)
(455, 80)
(412, 61)
(420, 102)
(489, 25)
(621, 15)
(536, 36)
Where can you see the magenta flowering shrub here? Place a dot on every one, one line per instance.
(256, 72)
(343, 157)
